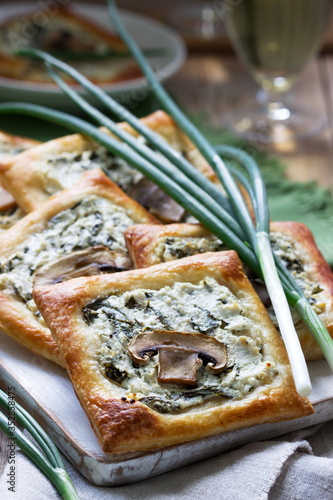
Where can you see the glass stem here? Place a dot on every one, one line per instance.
(274, 104)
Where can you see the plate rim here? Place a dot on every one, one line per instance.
(117, 87)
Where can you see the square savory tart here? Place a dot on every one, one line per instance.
(171, 353)
(35, 175)
(92, 214)
(64, 32)
(11, 145)
(292, 241)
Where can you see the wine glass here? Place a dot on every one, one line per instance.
(276, 39)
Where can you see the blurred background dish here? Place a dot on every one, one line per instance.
(150, 34)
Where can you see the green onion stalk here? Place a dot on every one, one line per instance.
(195, 190)
(232, 216)
(155, 174)
(259, 235)
(156, 141)
(50, 461)
(293, 291)
(191, 204)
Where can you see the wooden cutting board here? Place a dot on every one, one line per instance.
(46, 392)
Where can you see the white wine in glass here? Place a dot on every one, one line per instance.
(276, 39)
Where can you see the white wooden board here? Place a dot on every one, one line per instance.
(46, 392)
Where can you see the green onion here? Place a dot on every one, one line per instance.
(194, 188)
(282, 311)
(241, 232)
(50, 463)
(163, 180)
(207, 151)
(295, 294)
(259, 236)
(157, 142)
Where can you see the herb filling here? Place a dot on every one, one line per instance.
(208, 308)
(171, 248)
(8, 149)
(91, 222)
(9, 217)
(65, 169)
(284, 247)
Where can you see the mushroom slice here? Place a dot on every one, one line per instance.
(156, 201)
(178, 365)
(180, 354)
(87, 262)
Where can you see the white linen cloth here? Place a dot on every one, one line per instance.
(296, 466)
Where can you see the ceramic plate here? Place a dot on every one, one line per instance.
(147, 32)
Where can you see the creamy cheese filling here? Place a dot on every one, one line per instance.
(172, 248)
(63, 170)
(284, 246)
(175, 247)
(9, 217)
(8, 149)
(93, 221)
(208, 308)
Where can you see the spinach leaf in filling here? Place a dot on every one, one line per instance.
(117, 319)
(91, 222)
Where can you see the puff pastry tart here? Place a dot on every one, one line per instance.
(292, 241)
(50, 244)
(65, 34)
(171, 353)
(11, 145)
(35, 175)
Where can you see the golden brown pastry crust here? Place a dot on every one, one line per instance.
(124, 426)
(142, 241)
(24, 176)
(16, 67)
(15, 319)
(6, 199)
(17, 140)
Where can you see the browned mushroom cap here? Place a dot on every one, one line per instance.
(179, 354)
(87, 262)
(156, 201)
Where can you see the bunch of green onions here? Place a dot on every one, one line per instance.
(47, 458)
(226, 216)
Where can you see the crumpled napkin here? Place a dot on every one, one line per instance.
(296, 466)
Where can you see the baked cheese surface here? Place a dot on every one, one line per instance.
(176, 247)
(284, 246)
(65, 169)
(291, 241)
(208, 308)
(93, 221)
(206, 297)
(8, 149)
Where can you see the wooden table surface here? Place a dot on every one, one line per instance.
(210, 83)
